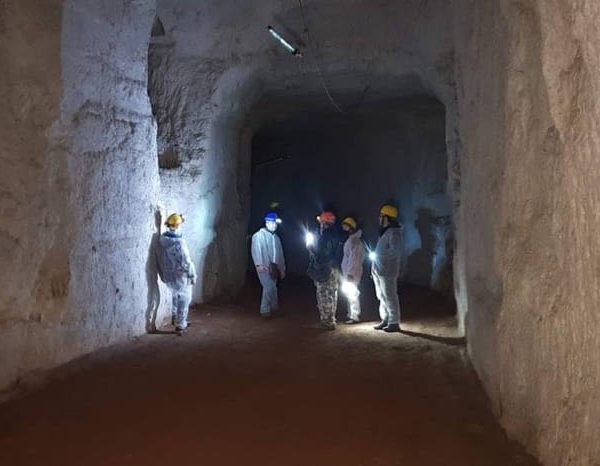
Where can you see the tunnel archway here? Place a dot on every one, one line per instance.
(306, 155)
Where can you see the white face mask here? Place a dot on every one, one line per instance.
(271, 226)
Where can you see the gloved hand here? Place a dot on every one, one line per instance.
(262, 268)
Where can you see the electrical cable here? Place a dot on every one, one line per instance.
(317, 65)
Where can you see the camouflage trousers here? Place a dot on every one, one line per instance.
(181, 298)
(327, 294)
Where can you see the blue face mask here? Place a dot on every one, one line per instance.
(173, 234)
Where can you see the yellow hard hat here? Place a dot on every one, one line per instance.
(350, 222)
(389, 211)
(174, 220)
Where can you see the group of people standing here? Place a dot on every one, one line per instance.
(336, 257)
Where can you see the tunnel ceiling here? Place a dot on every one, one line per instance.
(300, 113)
(392, 52)
(216, 28)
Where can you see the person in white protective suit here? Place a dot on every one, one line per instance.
(352, 268)
(269, 262)
(177, 270)
(385, 269)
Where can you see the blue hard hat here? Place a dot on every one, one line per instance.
(272, 217)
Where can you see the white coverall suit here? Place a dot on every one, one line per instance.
(267, 250)
(386, 270)
(352, 270)
(177, 270)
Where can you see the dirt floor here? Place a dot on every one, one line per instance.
(237, 390)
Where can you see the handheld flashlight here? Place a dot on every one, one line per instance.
(309, 238)
(372, 256)
(349, 289)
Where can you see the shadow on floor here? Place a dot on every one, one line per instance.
(452, 341)
(424, 313)
(162, 332)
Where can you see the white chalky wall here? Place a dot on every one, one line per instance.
(81, 182)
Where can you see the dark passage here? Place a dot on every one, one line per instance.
(307, 158)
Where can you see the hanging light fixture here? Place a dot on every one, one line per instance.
(289, 47)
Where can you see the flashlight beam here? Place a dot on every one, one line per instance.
(350, 289)
(310, 239)
(293, 50)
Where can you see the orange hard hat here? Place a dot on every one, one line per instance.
(326, 217)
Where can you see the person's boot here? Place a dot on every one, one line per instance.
(392, 328)
(327, 325)
(179, 331)
(381, 325)
(352, 321)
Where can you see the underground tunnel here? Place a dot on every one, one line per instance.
(478, 118)
(392, 149)
(306, 155)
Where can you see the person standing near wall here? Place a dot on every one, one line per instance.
(177, 270)
(269, 262)
(385, 268)
(323, 267)
(352, 268)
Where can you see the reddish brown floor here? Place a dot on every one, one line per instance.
(237, 390)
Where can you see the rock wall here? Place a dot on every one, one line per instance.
(528, 225)
(80, 186)
(31, 100)
(203, 170)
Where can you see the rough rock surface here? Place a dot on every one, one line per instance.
(79, 194)
(528, 226)
(31, 99)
